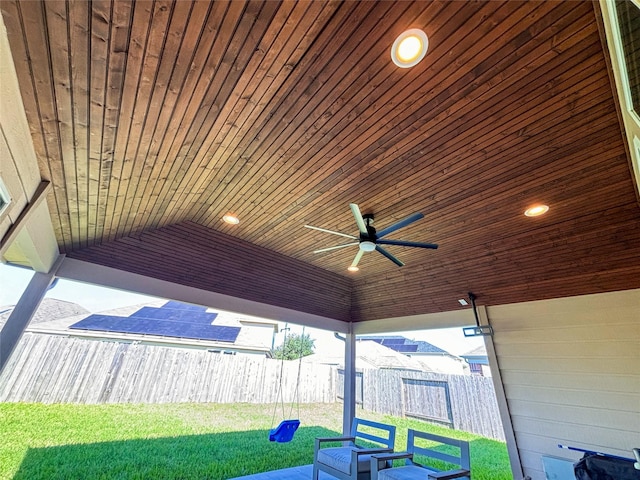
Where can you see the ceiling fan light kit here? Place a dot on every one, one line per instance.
(367, 246)
(369, 239)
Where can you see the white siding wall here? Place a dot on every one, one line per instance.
(35, 244)
(571, 372)
(19, 167)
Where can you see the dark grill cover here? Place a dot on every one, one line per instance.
(598, 467)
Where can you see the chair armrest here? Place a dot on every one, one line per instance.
(356, 452)
(386, 459)
(320, 440)
(392, 456)
(450, 474)
(335, 439)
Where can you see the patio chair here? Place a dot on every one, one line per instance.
(412, 470)
(352, 461)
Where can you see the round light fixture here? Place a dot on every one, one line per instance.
(353, 269)
(409, 48)
(367, 246)
(230, 219)
(536, 210)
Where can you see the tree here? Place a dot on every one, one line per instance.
(294, 346)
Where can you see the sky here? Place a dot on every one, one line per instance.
(13, 280)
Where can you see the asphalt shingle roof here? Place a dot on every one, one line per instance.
(403, 344)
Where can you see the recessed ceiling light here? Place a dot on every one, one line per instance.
(409, 48)
(536, 210)
(463, 302)
(353, 269)
(231, 219)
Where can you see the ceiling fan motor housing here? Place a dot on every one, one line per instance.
(371, 232)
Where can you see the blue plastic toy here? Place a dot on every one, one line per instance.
(284, 432)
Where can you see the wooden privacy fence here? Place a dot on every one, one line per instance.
(463, 402)
(55, 369)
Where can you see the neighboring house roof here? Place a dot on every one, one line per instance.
(404, 345)
(50, 309)
(168, 323)
(426, 347)
(370, 354)
(477, 355)
(173, 319)
(481, 350)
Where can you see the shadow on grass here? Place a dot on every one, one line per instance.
(210, 456)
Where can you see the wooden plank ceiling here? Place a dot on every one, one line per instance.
(154, 119)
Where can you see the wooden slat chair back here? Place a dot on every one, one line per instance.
(352, 461)
(412, 470)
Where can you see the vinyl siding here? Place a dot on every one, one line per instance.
(571, 373)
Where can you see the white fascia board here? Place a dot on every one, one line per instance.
(456, 318)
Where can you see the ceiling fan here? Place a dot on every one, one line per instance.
(370, 239)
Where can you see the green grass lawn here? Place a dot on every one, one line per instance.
(183, 441)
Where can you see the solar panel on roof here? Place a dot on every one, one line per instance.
(405, 348)
(397, 342)
(165, 321)
(183, 306)
(174, 314)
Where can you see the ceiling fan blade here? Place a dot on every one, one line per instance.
(335, 247)
(402, 243)
(357, 258)
(330, 231)
(358, 216)
(402, 223)
(389, 256)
